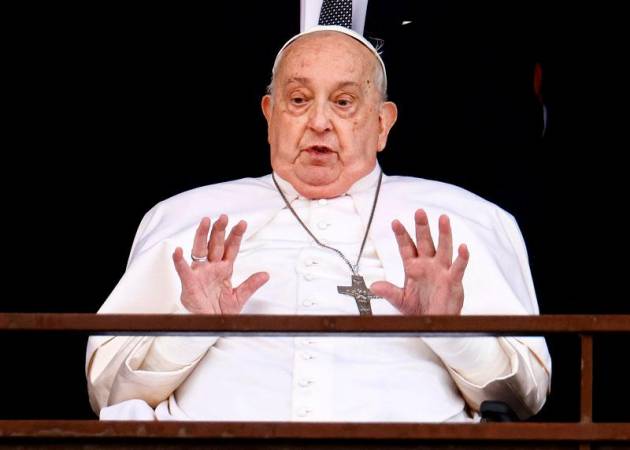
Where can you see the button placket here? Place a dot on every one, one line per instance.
(313, 374)
(309, 276)
(323, 224)
(305, 342)
(304, 396)
(305, 382)
(304, 412)
(310, 262)
(309, 293)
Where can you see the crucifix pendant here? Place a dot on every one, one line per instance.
(361, 294)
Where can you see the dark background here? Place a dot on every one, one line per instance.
(117, 108)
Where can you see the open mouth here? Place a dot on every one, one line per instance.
(318, 150)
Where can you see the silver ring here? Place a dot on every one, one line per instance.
(199, 258)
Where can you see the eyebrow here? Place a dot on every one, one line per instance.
(306, 81)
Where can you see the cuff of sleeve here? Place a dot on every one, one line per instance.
(479, 360)
(175, 352)
(169, 353)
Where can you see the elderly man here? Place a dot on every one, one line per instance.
(325, 220)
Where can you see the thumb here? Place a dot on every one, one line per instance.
(390, 292)
(183, 268)
(249, 286)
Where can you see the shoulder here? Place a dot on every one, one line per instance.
(405, 195)
(437, 194)
(216, 194)
(186, 209)
(212, 198)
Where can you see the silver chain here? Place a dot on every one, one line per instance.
(354, 268)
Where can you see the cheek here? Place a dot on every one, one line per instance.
(286, 133)
(363, 130)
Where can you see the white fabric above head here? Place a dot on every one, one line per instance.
(310, 9)
(344, 30)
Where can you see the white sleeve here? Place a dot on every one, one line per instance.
(148, 368)
(504, 369)
(515, 370)
(168, 353)
(476, 359)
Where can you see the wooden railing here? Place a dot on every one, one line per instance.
(161, 435)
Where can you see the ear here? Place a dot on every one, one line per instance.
(265, 104)
(387, 118)
(267, 107)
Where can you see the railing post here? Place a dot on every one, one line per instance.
(586, 382)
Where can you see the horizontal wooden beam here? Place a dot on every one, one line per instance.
(117, 324)
(69, 429)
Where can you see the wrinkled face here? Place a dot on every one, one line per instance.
(326, 120)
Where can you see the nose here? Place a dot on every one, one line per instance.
(319, 118)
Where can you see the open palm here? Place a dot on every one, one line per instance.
(207, 285)
(433, 282)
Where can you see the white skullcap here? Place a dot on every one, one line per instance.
(338, 29)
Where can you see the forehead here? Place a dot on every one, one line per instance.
(327, 53)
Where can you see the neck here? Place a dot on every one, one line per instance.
(364, 179)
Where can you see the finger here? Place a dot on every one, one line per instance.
(406, 245)
(390, 292)
(217, 239)
(247, 288)
(445, 243)
(183, 269)
(459, 266)
(233, 242)
(200, 244)
(423, 234)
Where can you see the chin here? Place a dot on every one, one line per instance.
(321, 187)
(317, 176)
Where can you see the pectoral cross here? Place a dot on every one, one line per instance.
(361, 294)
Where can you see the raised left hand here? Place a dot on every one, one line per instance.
(433, 282)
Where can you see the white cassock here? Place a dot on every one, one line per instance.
(319, 378)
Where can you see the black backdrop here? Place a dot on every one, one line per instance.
(117, 108)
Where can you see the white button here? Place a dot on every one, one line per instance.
(302, 412)
(311, 262)
(307, 356)
(323, 225)
(304, 382)
(308, 302)
(322, 202)
(308, 276)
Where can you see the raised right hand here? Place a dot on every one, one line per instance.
(207, 285)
